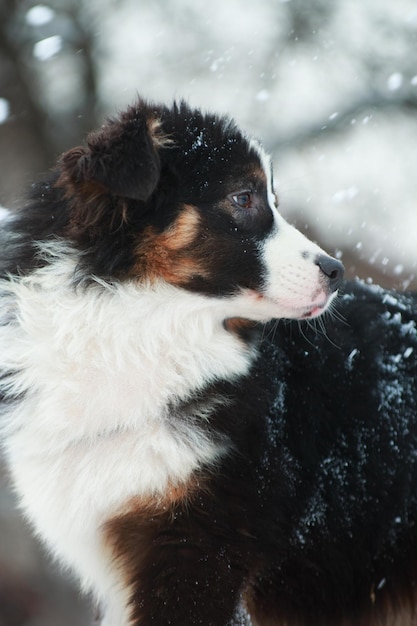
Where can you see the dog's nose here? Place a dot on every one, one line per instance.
(331, 268)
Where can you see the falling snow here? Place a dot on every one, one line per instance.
(47, 48)
(263, 95)
(39, 15)
(4, 110)
(395, 81)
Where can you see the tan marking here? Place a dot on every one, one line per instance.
(159, 137)
(237, 325)
(127, 535)
(258, 173)
(159, 503)
(171, 255)
(184, 230)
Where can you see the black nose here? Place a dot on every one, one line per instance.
(331, 268)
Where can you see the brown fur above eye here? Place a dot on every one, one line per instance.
(173, 254)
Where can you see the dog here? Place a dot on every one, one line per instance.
(179, 431)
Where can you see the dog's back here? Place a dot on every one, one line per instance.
(343, 429)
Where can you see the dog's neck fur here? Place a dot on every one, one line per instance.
(152, 345)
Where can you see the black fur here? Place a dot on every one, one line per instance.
(313, 519)
(342, 423)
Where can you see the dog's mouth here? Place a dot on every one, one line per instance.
(290, 310)
(308, 313)
(315, 311)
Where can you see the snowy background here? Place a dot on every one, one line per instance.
(329, 86)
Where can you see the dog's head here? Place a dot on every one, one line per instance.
(175, 195)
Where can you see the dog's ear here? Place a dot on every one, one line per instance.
(122, 157)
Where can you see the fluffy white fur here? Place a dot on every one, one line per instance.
(99, 369)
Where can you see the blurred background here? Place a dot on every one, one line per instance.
(329, 86)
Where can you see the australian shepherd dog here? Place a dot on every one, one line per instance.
(177, 431)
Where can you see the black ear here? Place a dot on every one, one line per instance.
(122, 157)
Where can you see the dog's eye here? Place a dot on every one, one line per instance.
(243, 200)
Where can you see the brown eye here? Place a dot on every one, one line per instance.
(243, 200)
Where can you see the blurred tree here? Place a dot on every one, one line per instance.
(40, 126)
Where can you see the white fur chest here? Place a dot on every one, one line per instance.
(99, 370)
